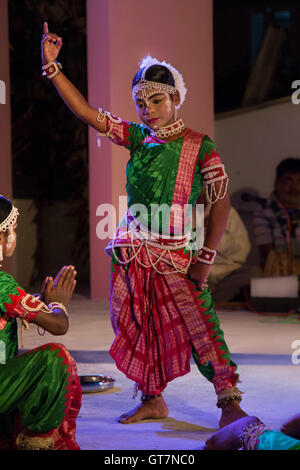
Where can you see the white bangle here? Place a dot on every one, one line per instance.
(54, 305)
(51, 69)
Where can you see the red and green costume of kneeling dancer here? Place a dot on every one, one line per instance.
(39, 389)
(162, 318)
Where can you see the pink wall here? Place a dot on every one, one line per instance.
(100, 168)
(5, 113)
(5, 131)
(120, 33)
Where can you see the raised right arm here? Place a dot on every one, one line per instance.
(50, 47)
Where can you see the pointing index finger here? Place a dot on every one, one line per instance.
(45, 28)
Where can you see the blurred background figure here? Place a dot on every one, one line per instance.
(230, 273)
(276, 222)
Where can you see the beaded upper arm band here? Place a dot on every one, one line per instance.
(109, 119)
(211, 175)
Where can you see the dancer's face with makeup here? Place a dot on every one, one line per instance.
(156, 110)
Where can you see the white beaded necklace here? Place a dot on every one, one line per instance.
(167, 131)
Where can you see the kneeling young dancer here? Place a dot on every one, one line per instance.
(39, 389)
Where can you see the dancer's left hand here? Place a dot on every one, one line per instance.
(199, 273)
(50, 45)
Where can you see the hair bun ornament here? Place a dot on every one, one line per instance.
(147, 61)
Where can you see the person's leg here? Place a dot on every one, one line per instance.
(42, 390)
(158, 319)
(64, 436)
(151, 407)
(211, 353)
(250, 433)
(292, 427)
(229, 437)
(133, 321)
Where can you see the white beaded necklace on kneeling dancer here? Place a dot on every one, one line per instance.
(167, 131)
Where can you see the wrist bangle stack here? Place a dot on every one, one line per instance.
(54, 305)
(51, 69)
(206, 255)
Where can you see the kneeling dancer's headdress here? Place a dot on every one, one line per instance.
(10, 220)
(7, 225)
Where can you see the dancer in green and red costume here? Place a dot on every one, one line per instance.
(39, 389)
(161, 308)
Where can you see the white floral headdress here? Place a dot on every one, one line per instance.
(147, 62)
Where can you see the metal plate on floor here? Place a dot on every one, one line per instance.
(95, 383)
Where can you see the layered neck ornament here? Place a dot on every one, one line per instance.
(168, 131)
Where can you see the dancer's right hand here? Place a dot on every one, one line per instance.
(61, 288)
(50, 45)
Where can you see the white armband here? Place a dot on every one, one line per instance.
(211, 175)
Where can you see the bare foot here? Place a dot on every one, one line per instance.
(230, 413)
(292, 427)
(155, 408)
(228, 438)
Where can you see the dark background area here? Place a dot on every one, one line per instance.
(49, 145)
(239, 30)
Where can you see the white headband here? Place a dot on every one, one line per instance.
(10, 220)
(147, 62)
